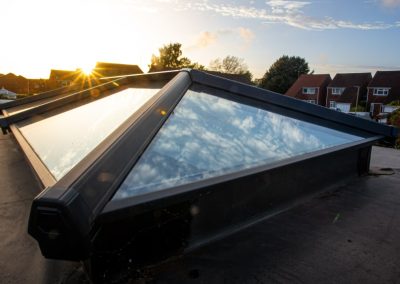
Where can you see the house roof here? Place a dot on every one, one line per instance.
(106, 69)
(13, 82)
(63, 74)
(308, 80)
(386, 79)
(350, 80)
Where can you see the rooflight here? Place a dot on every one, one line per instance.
(173, 160)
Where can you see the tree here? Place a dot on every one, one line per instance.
(232, 65)
(170, 57)
(283, 73)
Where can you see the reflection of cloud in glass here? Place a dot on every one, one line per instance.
(208, 136)
(64, 139)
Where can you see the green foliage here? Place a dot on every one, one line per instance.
(359, 108)
(394, 103)
(283, 73)
(394, 119)
(231, 65)
(171, 57)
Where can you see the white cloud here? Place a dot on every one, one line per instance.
(207, 38)
(390, 3)
(280, 6)
(285, 12)
(246, 34)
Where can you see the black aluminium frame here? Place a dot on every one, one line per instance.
(61, 98)
(65, 218)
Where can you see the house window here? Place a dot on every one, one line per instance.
(310, 101)
(337, 91)
(332, 104)
(309, 91)
(65, 83)
(381, 91)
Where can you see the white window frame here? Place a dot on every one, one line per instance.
(337, 91)
(310, 101)
(309, 90)
(381, 92)
(332, 104)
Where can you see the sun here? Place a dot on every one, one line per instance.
(87, 69)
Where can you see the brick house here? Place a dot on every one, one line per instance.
(14, 83)
(37, 85)
(310, 88)
(22, 85)
(63, 78)
(383, 89)
(347, 90)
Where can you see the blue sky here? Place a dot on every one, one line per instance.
(333, 36)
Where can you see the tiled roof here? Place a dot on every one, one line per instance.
(386, 79)
(14, 83)
(351, 79)
(308, 80)
(106, 69)
(63, 74)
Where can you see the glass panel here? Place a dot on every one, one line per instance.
(209, 136)
(64, 139)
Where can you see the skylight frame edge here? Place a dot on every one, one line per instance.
(290, 103)
(141, 201)
(40, 170)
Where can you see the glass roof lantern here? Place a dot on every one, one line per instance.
(175, 159)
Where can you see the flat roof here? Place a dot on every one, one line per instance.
(349, 235)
